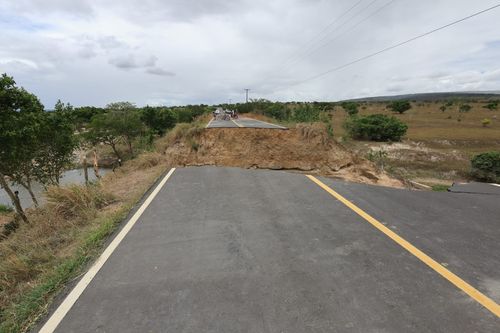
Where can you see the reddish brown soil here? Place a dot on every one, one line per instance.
(306, 148)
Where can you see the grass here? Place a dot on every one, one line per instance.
(5, 209)
(64, 237)
(440, 188)
(449, 143)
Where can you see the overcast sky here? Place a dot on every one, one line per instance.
(176, 52)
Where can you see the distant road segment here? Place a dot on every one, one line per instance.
(242, 122)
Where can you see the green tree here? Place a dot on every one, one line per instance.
(101, 131)
(399, 106)
(159, 120)
(125, 122)
(55, 152)
(20, 112)
(376, 127)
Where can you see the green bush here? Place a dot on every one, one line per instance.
(350, 107)
(277, 111)
(376, 127)
(491, 105)
(306, 113)
(486, 166)
(400, 106)
(464, 108)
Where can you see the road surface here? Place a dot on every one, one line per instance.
(232, 250)
(242, 122)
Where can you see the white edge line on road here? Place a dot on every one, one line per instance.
(495, 184)
(73, 296)
(208, 125)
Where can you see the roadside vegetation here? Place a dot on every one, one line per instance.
(44, 247)
(442, 136)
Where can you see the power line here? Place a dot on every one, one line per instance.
(315, 48)
(312, 41)
(312, 51)
(394, 46)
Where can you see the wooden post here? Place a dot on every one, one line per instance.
(85, 171)
(96, 166)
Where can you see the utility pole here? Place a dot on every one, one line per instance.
(246, 90)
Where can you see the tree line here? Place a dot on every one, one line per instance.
(37, 145)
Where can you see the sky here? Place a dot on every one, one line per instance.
(177, 52)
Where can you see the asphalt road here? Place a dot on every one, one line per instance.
(232, 250)
(242, 122)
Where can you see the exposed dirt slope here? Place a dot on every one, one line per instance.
(306, 148)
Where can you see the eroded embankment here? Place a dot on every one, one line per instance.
(306, 148)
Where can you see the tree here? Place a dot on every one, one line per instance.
(399, 106)
(101, 131)
(159, 120)
(125, 121)
(376, 127)
(20, 112)
(55, 153)
(350, 107)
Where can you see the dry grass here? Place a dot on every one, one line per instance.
(77, 201)
(438, 145)
(39, 258)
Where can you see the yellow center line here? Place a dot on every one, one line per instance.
(234, 121)
(448, 275)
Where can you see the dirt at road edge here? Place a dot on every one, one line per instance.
(306, 148)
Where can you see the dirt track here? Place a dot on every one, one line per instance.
(306, 148)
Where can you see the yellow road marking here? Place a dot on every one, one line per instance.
(73, 296)
(234, 121)
(451, 277)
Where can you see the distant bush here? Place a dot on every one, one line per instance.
(486, 166)
(491, 106)
(376, 127)
(464, 108)
(400, 106)
(278, 111)
(350, 107)
(306, 113)
(486, 122)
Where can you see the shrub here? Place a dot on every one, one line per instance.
(464, 108)
(486, 166)
(306, 113)
(350, 107)
(376, 127)
(491, 106)
(400, 106)
(486, 122)
(277, 111)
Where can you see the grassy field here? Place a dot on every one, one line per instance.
(438, 145)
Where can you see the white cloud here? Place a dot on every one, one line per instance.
(188, 51)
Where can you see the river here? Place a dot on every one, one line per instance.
(75, 176)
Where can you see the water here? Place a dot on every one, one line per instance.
(75, 176)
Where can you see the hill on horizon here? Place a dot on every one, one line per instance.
(431, 97)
